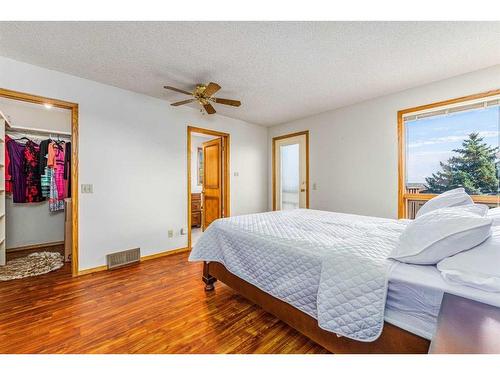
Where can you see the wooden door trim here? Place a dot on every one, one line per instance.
(401, 139)
(73, 107)
(278, 138)
(226, 137)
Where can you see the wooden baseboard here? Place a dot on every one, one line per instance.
(165, 253)
(48, 246)
(92, 270)
(143, 258)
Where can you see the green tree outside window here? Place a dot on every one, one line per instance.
(475, 168)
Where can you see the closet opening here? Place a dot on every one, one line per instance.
(208, 179)
(38, 185)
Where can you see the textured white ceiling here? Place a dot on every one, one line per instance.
(280, 71)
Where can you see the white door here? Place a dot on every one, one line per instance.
(2, 192)
(290, 172)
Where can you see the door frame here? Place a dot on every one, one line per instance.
(73, 107)
(225, 171)
(291, 135)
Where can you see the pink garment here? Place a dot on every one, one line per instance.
(56, 161)
(8, 177)
(51, 156)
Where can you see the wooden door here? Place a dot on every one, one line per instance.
(212, 182)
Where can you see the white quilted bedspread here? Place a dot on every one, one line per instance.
(331, 266)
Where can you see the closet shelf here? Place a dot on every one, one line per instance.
(41, 132)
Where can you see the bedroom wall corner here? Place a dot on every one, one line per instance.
(353, 150)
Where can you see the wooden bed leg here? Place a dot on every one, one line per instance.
(208, 279)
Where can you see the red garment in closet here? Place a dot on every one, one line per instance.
(8, 177)
(31, 170)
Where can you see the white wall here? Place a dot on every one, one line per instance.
(353, 150)
(32, 224)
(133, 150)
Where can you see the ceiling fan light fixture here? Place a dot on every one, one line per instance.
(203, 94)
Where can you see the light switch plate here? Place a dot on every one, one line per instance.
(87, 188)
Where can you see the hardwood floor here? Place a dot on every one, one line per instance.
(158, 306)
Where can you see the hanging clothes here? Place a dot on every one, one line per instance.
(55, 204)
(32, 172)
(44, 149)
(8, 177)
(55, 162)
(16, 171)
(35, 172)
(67, 169)
(45, 179)
(45, 172)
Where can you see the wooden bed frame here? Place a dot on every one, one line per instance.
(392, 340)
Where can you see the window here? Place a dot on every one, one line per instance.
(447, 145)
(290, 180)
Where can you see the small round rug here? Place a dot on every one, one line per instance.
(31, 265)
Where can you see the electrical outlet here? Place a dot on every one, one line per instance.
(170, 233)
(315, 187)
(87, 188)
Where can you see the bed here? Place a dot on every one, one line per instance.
(327, 275)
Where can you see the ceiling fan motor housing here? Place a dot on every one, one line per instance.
(198, 91)
(203, 94)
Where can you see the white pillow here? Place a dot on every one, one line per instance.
(478, 268)
(442, 233)
(494, 213)
(450, 198)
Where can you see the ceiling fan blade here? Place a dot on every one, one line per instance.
(234, 103)
(178, 90)
(211, 89)
(209, 108)
(183, 102)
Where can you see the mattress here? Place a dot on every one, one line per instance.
(412, 304)
(414, 297)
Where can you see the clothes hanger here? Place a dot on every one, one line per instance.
(22, 139)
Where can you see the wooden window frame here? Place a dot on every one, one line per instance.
(403, 197)
(306, 133)
(73, 107)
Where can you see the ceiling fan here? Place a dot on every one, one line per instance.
(203, 94)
